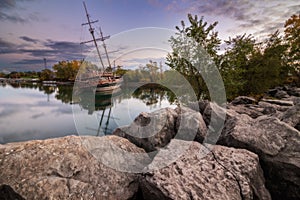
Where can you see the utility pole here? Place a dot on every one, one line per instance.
(45, 63)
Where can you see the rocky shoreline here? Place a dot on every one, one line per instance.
(256, 155)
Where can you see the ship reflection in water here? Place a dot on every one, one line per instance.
(111, 109)
(35, 111)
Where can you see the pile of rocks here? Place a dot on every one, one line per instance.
(247, 149)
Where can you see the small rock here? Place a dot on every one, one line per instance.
(292, 116)
(279, 102)
(281, 94)
(248, 110)
(243, 100)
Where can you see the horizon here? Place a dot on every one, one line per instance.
(33, 30)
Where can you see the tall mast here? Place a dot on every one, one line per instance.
(104, 45)
(91, 29)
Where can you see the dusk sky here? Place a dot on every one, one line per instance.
(35, 29)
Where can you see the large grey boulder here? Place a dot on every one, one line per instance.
(190, 125)
(224, 173)
(63, 168)
(278, 147)
(151, 131)
(215, 115)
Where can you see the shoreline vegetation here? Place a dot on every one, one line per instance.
(247, 66)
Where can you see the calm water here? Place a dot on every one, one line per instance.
(30, 112)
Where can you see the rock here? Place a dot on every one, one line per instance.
(278, 147)
(215, 114)
(294, 91)
(190, 125)
(151, 131)
(63, 168)
(214, 111)
(272, 92)
(292, 117)
(199, 106)
(281, 94)
(279, 102)
(272, 107)
(243, 100)
(227, 173)
(252, 111)
(284, 92)
(296, 100)
(268, 108)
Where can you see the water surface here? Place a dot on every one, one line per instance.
(29, 112)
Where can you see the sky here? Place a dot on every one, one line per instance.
(32, 30)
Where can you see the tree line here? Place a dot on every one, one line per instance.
(247, 66)
(61, 71)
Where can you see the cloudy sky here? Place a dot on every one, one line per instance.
(32, 30)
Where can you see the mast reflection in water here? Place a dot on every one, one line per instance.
(35, 111)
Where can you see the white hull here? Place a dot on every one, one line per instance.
(108, 88)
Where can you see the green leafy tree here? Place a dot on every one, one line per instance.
(275, 60)
(292, 36)
(14, 74)
(46, 75)
(186, 48)
(120, 71)
(235, 64)
(249, 68)
(152, 68)
(67, 70)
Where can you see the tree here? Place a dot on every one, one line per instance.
(185, 51)
(292, 36)
(152, 68)
(234, 64)
(46, 75)
(14, 74)
(67, 70)
(250, 68)
(120, 71)
(274, 57)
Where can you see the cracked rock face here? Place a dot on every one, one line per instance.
(278, 146)
(62, 168)
(227, 173)
(150, 131)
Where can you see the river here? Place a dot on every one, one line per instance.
(35, 111)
